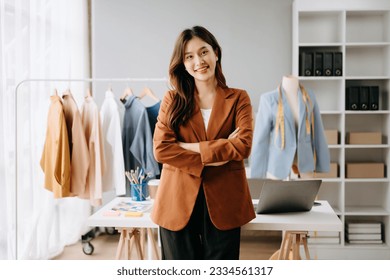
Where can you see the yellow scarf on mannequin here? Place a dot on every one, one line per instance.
(279, 126)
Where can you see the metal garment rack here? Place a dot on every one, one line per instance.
(83, 80)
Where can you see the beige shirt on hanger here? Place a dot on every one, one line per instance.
(79, 152)
(55, 160)
(93, 134)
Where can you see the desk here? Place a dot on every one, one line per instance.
(295, 226)
(132, 229)
(320, 218)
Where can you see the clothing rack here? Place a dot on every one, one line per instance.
(83, 80)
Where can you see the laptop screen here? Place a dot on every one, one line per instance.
(277, 196)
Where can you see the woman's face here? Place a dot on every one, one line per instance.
(200, 59)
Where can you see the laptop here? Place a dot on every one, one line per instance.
(277, 196)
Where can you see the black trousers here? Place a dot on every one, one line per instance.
(200, 239)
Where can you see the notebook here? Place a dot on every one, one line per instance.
(278, 196)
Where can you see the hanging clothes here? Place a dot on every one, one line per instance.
(79, 153)
(93, 134)
(276, 141)
(114, 176)
(55, 160)
(152, 116)
(137, 139)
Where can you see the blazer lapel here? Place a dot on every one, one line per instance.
(221, 109)
(197, 124)
(302, 114)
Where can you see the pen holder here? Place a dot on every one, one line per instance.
(139, 192)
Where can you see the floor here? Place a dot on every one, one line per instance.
(255, 245)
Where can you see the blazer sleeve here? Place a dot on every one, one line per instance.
(320, 144)
(261, 139)
(238, 148)
(166, 148)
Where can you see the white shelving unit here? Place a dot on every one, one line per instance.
(360, 29)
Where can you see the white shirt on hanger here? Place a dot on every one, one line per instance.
(114, 176)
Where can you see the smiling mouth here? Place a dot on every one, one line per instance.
(201, 70)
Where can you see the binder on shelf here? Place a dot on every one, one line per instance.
(365, 241)
(328, 64)
(306, 64)
(363, 230)
(352, 98)
(364, 236)
(338, 63)
(318, 64)
(374, 98)
(364, 225)
(364, 98)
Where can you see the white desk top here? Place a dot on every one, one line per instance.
(99, 219)
(320, 218)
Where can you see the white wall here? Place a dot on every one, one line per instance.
(135, 38)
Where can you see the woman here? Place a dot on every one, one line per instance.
(203, 134)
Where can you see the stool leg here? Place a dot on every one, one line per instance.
(119, 249)
(153, 242)
(128, 246)
(136, 234)
(143, 235)
(304, 241)
(288, 246)
(282, 247)
(296, 243)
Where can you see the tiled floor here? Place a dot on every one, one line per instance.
(254, 246)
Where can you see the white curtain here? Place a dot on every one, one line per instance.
(39, 39)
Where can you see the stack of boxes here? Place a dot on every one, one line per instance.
(365, 169)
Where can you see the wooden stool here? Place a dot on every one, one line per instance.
(289, 249)
(131, 237)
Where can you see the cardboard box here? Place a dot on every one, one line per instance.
(333, 172)
(332, 137)
(365, 170)
(364, 138)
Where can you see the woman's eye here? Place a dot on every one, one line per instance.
(188, 57)
(204, 52)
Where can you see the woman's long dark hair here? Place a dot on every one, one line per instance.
(183, 83)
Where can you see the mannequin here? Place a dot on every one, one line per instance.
(290, 85)
(286, 115)
(290, 89)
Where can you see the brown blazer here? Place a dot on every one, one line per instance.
(225, 187)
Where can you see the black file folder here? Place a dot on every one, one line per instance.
(352, 98)
(306, 64)
(338, 63)
(364, 98)
(374, 98)
(318, 64)
(328, 64)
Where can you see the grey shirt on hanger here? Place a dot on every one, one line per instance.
(137, 139)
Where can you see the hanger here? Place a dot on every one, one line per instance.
(126, 93)
(66, 92)
(55, 92)
(89, 93)
(147, 91)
